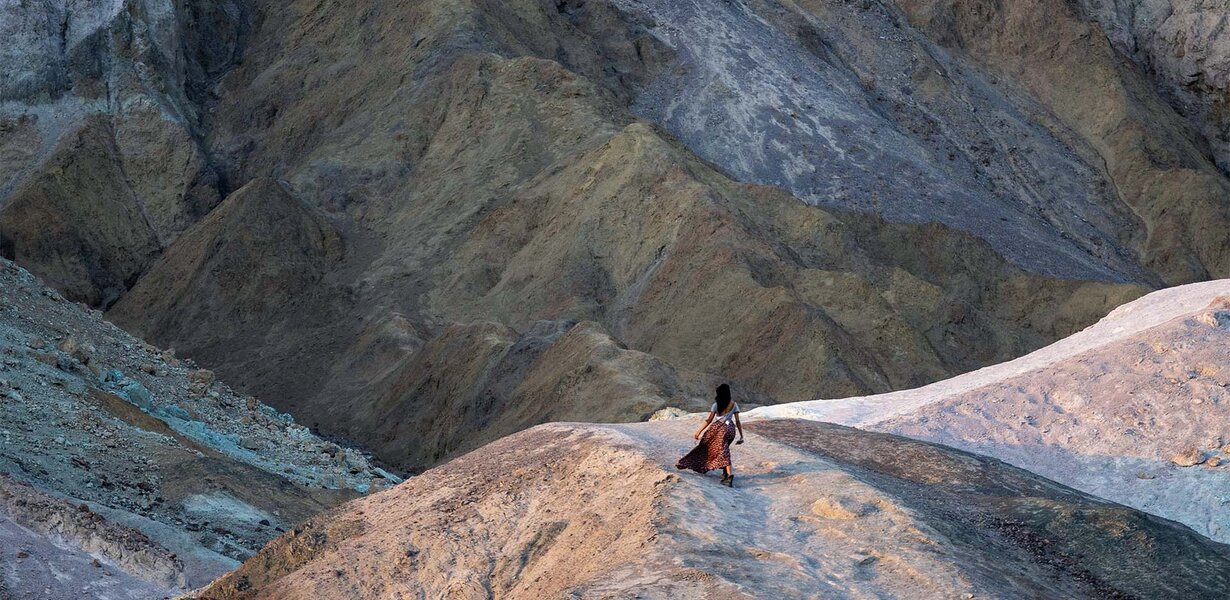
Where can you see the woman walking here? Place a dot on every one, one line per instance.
(713, 452)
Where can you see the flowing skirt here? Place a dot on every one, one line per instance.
(713, 451)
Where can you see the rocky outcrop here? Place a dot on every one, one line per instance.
(77, 529)
(256, 253)
(597, 511)
(145, 442)
(78, 223)
(1128, 409)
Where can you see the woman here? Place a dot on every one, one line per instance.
(713, 452)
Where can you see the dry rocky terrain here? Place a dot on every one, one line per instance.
(420, 228)
(1135, 409)
(268, 187)
(121, 451)
(817, 511)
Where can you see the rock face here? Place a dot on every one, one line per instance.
(1183, 44)
(597, 512)
(1128, 409)
(101, 121)
(155, 462)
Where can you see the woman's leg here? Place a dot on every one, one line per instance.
(728, 472)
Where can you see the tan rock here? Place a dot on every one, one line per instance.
(836, 507)
(518, 497)
(1189, 457)
(47, 358)
(202, 376)
(72, 347)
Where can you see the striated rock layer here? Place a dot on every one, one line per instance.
(587, 511)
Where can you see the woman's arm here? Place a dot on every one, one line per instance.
(739, 424)
(708, 420)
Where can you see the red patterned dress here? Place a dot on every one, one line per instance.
(713, 451)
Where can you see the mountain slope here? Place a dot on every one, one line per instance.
(632, 233)
(102, 109)
(133, 453)
(595, 511)
(1113, 410)
(523, 162)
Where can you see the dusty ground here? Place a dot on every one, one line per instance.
(1111, 410)
(818, 511)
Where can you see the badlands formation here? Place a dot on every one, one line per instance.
(378, 213)
(424, 229)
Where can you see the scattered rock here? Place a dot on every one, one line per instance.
(137, 395)
(1213, 461)
(1218, 318)
(72, 347)
(177, 411)
(668, 414)
(148, 368)
(252, 442)
(37, 343)
(168, 357)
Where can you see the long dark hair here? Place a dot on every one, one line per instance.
(722, 400)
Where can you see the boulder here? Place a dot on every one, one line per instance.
(1189, 457)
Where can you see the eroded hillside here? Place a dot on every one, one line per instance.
(138, 458)
(423, 199)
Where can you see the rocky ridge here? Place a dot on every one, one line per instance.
(590, 511)
(1125, 409)
(148, 441)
